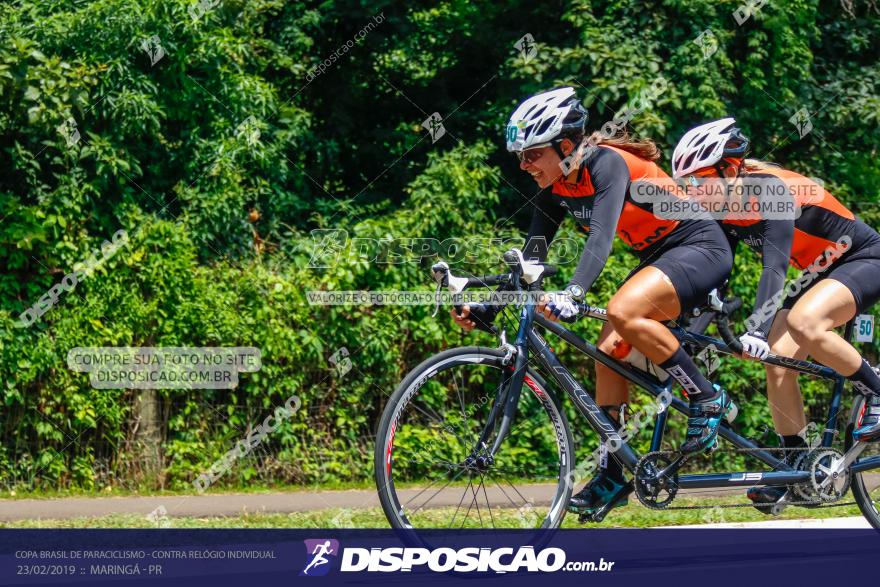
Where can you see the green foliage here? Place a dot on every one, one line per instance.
(220, 155)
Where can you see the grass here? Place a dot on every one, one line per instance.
(633, 515)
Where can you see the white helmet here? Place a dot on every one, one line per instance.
(541, 118)
(706, 145)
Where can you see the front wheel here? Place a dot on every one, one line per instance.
(431, 469)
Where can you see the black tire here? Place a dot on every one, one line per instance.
(423, 389)
(865, 485)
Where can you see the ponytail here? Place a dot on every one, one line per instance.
(642, 148)
(757, 165)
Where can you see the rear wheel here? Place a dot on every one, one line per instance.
(865, 485)
(431, 472)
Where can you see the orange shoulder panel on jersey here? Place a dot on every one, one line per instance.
(811, 238)
(807, 192)
(638, 226)
(639, 168)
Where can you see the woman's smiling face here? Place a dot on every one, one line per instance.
(543, 163)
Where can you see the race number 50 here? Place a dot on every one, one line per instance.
(865, 328)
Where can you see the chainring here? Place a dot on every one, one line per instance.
(655, 492)
(834, 485)
(804, 490)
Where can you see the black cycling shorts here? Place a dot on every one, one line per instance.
(859, 271)
(696, 257)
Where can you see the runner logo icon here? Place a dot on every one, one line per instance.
(317, 552)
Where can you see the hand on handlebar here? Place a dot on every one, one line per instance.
(463, 319)
(558, 306)
(754, 345)
(472, 316)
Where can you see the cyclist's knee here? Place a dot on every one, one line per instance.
(805, 330)
(621, 313)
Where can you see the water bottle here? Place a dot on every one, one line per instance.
(624, 351)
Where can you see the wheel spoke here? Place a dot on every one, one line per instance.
(476, 502)
(488, 505)
(448, 483)
(464, 412)
(461, 501)
(470, 505)
(516, 490)
(501, 487)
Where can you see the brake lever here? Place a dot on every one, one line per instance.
(437, 299)
(724, 307)
(440, 273)
(715, 301)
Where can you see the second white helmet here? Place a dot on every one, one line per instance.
(705, 145)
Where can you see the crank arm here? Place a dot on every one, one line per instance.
(780, 505)
(849, 458)
(673, 467)
(622, 493)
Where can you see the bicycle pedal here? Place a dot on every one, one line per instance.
(780, 505)
(585, 518)
(592, 517)
(597, 516)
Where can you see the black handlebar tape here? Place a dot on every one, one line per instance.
(731, 305)
(728, 336)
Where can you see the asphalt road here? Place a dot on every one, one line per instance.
(213, 505)
(199, 506)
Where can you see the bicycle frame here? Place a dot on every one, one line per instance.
(528, 339)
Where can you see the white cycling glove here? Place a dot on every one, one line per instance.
(562, 305)
(755, 345)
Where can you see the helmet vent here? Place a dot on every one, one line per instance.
(545, 125)
(708, 149)
(689, 160)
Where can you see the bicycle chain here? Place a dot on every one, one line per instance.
(672, 453)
